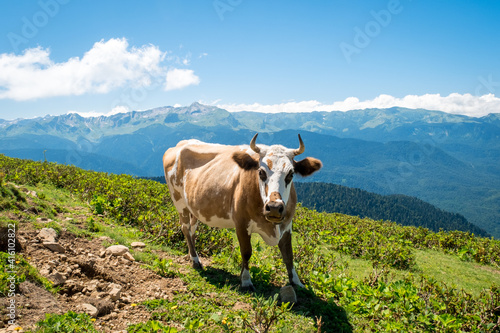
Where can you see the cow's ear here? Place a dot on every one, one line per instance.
(245, 161)
(307, 166)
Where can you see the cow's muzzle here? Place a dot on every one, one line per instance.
(274, 211)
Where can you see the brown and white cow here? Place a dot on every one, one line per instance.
(248, 188)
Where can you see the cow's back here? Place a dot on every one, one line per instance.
(202, 179)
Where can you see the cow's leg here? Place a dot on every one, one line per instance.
(189, 222)
(246, 252)
(285, 246)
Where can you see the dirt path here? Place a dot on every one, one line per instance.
(106, 286)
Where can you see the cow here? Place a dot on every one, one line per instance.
(249, 188)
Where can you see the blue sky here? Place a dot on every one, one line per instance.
(100, 57)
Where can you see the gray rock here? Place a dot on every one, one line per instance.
(55, 247)
(90, 309)
(117, 250)
(57, 279)
(287, 295)
(92, 285)
(128, 256)
(47, 235)
(137, 245)
(115, 291)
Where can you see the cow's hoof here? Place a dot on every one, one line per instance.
(250, 288)
(197, 265)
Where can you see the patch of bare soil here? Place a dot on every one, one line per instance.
(108, 287)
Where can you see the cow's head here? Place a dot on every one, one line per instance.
(276, 168)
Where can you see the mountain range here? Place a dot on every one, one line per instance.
(448, 160)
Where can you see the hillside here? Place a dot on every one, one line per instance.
(360, 274)
(450, 161)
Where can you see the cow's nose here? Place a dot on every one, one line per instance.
(274, 210)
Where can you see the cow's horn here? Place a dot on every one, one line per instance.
(301, 149)
(253, 145)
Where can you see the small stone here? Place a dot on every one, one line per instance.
(92, 285)
(63, 257)
(47, 235)
(90, 309)
(128, 256)
(52, 263)
(126, 299)
(115, 292)
(57, 279)
(137, 245)
(287, 295)
(116, 250)
(102, 254)
(124, 261)
(55, 247)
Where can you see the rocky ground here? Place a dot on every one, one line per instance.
(105, 282)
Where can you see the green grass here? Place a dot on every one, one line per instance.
(470, 276)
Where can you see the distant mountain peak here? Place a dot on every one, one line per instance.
(198, 108)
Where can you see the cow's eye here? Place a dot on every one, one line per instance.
(262, 175)
(289, 177)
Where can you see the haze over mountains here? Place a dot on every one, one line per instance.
(448, 160)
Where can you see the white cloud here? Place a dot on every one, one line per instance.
(180, 78)
(106, 66)
(465, 104)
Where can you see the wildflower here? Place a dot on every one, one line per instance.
(174, 307)
(133, 304)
